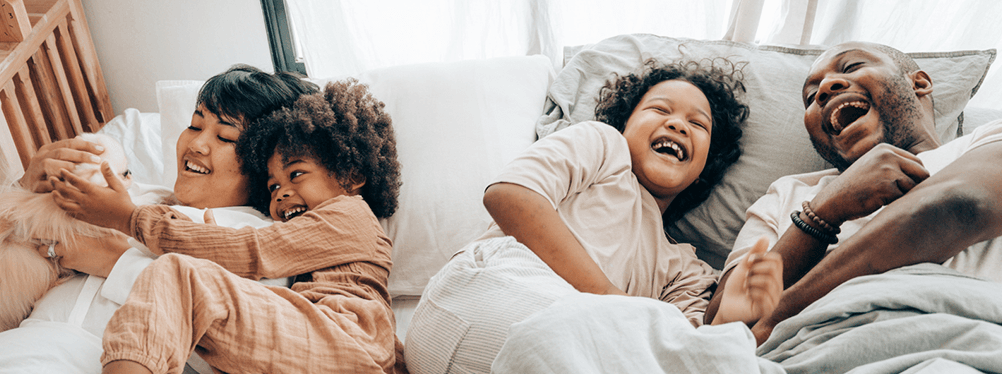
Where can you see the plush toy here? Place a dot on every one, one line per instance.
(28, 220)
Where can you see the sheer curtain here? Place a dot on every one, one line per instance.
(343, 37)
(918, 25)
(349, 36)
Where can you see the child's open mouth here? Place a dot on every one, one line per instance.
(669, 147)
(294, 212)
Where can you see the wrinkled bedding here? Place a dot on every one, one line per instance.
(918, 319)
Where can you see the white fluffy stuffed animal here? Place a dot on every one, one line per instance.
(29, 219)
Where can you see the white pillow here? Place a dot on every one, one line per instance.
(176, 100)
(140, 136)
(457, 124)
(775, 142)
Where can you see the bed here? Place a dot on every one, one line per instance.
(458, 123)
(51, 85)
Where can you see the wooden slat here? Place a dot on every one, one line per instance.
(56, 62)
(10, 160)
(88, 58)
(14, 23)
(74, 74)
(34, 111)
(24, 50)
(17, 123)
(38, 6)
(49, 99)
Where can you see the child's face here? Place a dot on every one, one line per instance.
(300, 184)
(669, 138)
(208, 172)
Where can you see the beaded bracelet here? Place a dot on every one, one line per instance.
(818, 221)
(810, 230)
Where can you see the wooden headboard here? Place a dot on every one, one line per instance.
(51, 85)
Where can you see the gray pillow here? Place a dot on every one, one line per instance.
(775, 142)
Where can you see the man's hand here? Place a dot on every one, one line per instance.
(109, 207)
(753, 288)
(52, 157)
(95, 256)
(881, 176)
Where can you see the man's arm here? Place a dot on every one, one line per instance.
(940, 217)
(880, 177)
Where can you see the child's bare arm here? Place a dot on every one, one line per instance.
(109, 207)
(753, 287)
(529, 217)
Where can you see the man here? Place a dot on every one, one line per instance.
(869, 112)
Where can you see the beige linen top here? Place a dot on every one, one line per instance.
(586, 173)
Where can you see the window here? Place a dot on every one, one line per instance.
(284, 51)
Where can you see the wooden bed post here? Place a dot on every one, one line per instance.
(14, 23)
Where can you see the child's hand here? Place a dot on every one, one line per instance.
(95, 256)
(109, 207)
(753, 288)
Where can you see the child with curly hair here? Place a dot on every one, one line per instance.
(583, 209)
(326, 170)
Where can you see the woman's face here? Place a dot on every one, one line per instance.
(208, 172)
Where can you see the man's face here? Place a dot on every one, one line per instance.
(856, 97)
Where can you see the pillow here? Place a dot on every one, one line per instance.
(139, 134)
(457, 124)
(775, 142)
(176, 101)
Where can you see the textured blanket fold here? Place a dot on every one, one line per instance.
(922, 318)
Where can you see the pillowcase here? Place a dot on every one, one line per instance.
(176, 101)
(139, 134)
(456, 125)
(775, 142)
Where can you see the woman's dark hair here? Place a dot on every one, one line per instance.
(345, 129)
(245, 93)
(720, 80)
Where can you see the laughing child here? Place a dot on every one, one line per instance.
(583, 209)
(325, 170)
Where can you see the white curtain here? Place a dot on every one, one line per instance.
(918, 26)
(343, 37)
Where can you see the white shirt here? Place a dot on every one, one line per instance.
(770, 215)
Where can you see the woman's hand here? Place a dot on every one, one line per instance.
(52, 157)
(95, 256)
(109, 207)
(753, 288)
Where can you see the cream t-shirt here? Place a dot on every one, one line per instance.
(585, 172)
(770, 215)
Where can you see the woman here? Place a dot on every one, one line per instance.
(65, 329)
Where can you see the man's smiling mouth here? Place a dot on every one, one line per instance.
(845, 114)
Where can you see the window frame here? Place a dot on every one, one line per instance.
(283, 50)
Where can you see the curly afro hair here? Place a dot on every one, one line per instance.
(344, 128)
(720, 81)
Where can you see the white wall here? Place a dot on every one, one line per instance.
(139, 42)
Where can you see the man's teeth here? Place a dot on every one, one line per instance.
(834, 118)
(677, 149)
(196, 168)
(294, 212)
